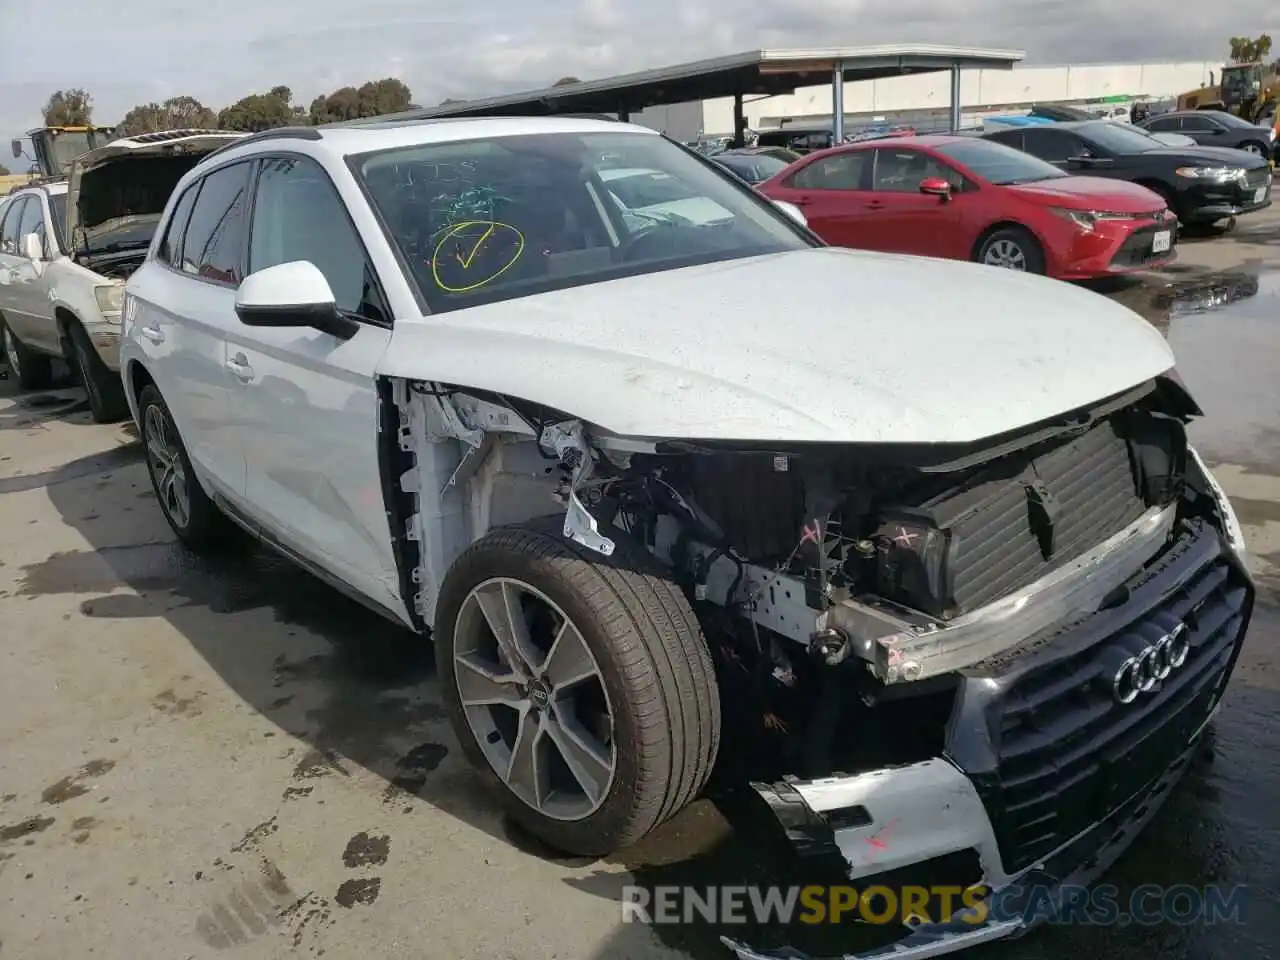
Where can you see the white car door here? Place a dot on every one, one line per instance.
(305, 399)
(30, 284)
(17, 273)
(181, 304)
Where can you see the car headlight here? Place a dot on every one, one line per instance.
(1219, 174)
(1230, 522)
(110, 297)
(1088, 219)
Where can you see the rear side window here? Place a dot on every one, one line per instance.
(842, 171)
(171, 246)
(9, 231)
(213, 244)
(1164, 125)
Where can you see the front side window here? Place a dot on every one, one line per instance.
(840, 171)
(12, 220)
(298, 215)
(1199, 124)
(900, 171)
(32, 220)
(213, 245)
(1164, 125)
(491, 219)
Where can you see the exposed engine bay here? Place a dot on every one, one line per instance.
(831, 582)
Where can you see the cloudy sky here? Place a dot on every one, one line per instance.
(126, 52)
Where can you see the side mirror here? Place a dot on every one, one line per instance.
(294, 294)
(936, 187)
(792, 211)
(16, 147)
(32, 247)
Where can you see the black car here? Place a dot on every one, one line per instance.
(1215, 128)
(754, 165)
(1200, 184)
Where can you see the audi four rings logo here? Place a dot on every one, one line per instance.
(1141, 664)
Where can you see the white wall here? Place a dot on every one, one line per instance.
(978, 88)
(680, 121)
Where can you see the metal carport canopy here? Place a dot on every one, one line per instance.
(756, 72)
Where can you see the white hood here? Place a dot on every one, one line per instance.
(819, 345)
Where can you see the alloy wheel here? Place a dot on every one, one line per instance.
(534, 698)
(1005, 253)
(1253, 148)
(164, 460)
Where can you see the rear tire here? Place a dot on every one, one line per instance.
(33, 371)
(1012, 248)
(659, 726)
(104, 388)
(194, 518)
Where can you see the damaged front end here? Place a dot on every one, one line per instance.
(1005, 651)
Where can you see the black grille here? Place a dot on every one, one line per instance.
(1257, 178)
(1066, 752)
(1136, 249)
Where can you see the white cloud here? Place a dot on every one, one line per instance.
(131, 51)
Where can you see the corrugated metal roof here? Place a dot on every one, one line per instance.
(754, 71)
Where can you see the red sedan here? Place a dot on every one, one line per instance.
(964, 198)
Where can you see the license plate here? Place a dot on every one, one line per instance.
(1161, 242)
(1259, 195)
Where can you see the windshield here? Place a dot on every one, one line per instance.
(998, 164)
(1231, 120)
(753, 169)
(1118, 137)
(484, 220)
(1239, 80)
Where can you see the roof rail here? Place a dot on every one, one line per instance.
(275, 133)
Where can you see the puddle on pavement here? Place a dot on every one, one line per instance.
(1224, 328)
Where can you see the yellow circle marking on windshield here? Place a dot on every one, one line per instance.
(471, 238)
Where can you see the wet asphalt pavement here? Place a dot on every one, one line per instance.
(227, 759)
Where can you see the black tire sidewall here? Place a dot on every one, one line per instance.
(105, 392)
(150, 397)
(596, 833)
(34, 371)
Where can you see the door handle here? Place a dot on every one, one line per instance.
(875, 204)
(154, 334)
(239, 367)
(801, 201)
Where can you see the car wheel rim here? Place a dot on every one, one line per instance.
(165, 462)
(1254, 149)
(1005, 253)
(534, 698)
(11, 353)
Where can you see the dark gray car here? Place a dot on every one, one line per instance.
(1214, 128)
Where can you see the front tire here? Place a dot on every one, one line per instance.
(194, 518)
(1012, 248)
(104, 388)
(33, 371)
(1257, 148)
(580, 685)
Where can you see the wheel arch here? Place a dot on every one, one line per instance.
(1004, 224)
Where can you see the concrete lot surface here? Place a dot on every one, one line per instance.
(213, 760)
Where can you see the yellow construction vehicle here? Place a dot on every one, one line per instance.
(1249, 90)
(56, 147)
